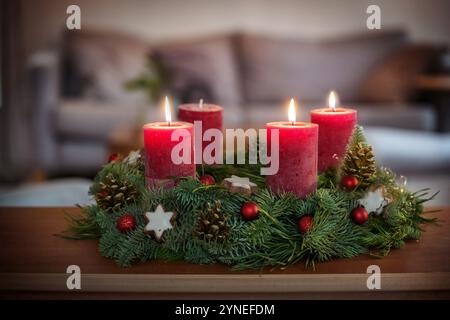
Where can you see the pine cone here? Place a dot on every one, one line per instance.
(115, 193)
(360, 162)
(212, 224)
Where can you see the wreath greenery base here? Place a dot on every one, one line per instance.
(273, 239)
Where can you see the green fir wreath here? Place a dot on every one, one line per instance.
(273, 238)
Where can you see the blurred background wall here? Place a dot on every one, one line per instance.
(66, 103)
(164, 20)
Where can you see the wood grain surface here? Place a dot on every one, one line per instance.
(33, 260)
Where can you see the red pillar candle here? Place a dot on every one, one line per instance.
(160, 167)
(335, 129)
(297, 156)
(209, 114)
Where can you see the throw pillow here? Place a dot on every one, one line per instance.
(202, 68)
(275, 69)
(101, 63)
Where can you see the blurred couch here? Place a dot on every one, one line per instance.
(79, 96)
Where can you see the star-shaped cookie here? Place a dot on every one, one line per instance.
(375, 200)
(240, 185)
(158, 222)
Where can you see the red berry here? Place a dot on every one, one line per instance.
(103, 194)
(126, 223)
(207, 180)
(113, 157)
(305, 223)
(349, 182)
(249, 210)
(359, 215)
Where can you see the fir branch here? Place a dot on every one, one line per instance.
(271, 240)
(220, 172)
(327, 179)
(81, 226)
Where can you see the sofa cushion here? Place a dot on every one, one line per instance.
(87, 119)
(202, 68)
(275, 68)
(410, 150)
(415, 117)
(98, 64)
(402, 116)
(81, 157)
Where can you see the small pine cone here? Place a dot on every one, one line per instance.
(212, 224)
(360, 162)
(114, 193)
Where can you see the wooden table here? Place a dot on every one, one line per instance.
(33, 264)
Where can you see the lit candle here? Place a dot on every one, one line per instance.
(335, 128)
(297, 155)
(160, 169)
(210, 116)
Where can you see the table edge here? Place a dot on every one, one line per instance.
(224, 283)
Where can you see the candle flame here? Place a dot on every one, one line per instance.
(167, 110)
(291, 112)
(332, 100)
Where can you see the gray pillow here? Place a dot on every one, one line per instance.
(275, 69)
(97, 65)
(202, 67)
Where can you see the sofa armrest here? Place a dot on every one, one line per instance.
(43, 70)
